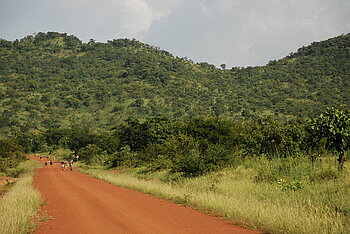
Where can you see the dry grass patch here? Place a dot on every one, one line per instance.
(317, 207)
(20, 204)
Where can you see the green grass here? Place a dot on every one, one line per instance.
(19, 205)
(27, 166)
(249, 193)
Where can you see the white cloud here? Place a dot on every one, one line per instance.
(248, 32)
(235, 32)
(136, 17)
(164, 8)
(101, 20)
(205, 10)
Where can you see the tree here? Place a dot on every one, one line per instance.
(334, 125)
(10, 154)
(88, 153)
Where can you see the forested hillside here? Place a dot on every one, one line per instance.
(264, 140)
(53, 80)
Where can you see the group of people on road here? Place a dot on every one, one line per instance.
(65, 165)
(47, 162)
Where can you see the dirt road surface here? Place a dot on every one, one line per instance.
(78, 204)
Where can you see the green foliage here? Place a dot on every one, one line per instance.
(31, 141)
(266, 136)
(88, 153)
(128, 103)
(73, 138)
(23, 168)
(53, 80)
(195, 162)
(138, 135)
(122, 157)
(214, 130)
(289, 185)
(334, 125)
(192, 147)
(64, 153)
(10, 154)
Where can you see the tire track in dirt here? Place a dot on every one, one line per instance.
(81, 204)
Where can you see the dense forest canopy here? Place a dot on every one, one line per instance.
(52, 80)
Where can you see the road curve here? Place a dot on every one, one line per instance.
(81, 204)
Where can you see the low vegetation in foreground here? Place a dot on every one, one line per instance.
(291, 195)
(270, 175)
(18, 206)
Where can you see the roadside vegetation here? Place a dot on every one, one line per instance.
(265, 174)
(271, 175)
(272, 195)
(11, 154)
(19, 205)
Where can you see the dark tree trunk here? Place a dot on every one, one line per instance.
(341, 159)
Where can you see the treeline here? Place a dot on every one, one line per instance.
(197, 145)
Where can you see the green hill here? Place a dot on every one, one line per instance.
(54, 80)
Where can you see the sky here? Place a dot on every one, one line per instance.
(237, 33)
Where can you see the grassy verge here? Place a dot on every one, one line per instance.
(20, 204)
(280, 196)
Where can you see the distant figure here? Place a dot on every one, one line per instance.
(45, 163)
(50, 162)
(71, 164)
(77, 158)
(62, 165)
(41, 157)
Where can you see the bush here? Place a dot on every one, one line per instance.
(123, 157)
(289, 185)
(88, 153)
(10, 154)
(273, 138)
(202, 158)
(190, 165)
(67, 154)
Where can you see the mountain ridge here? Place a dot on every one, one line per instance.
(55, 80)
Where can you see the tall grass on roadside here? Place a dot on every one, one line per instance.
(249, 194)
(23, 168)
(19, 206)
(166, 191)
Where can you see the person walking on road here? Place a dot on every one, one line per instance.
(71, 165)
(62, 165)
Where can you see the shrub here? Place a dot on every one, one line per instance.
(201, 159)
(65, 153)
(123, 157)
(10, 154)
(289, 185)
(88, 153)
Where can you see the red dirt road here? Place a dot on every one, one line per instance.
(81, 204)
